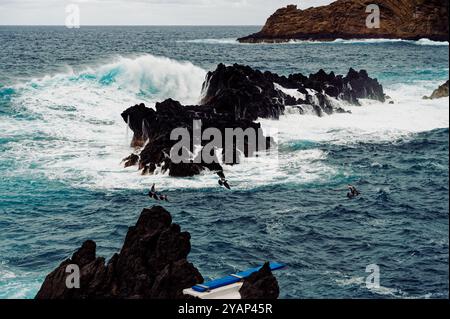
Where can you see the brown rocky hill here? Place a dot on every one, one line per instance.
(346, 19)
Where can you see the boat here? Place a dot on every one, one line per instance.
(227, 287)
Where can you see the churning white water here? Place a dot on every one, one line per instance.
(72, 130)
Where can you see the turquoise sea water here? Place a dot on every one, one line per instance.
(62, 140)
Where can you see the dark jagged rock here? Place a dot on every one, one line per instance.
(151, 265)
(137, 124)
(440, 92)
(260, 285)
(244, 93)
(248, 93)
(131, 160)
(234, 97)
(346, 19)
(170, 115)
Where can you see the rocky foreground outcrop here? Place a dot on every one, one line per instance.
(235, 97)
(440, 92)
(260, 285)
(346, 19)
(152, 264)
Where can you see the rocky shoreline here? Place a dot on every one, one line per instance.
(440, 92)
(234, 97)
(346, 19)
(152, 264)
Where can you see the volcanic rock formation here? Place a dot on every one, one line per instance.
(234, 97)
(346, 19)
(260, 285)
(152, 264)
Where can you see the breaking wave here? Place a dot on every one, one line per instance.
(70, 126)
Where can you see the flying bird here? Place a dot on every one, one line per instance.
(223, 181)
(152, 192)
(353, 192)
(154, 195)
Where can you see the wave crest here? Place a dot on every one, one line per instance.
(76, 115)
(146, 76)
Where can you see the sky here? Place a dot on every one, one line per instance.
(146, 12)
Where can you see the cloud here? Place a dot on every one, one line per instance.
(147, 12)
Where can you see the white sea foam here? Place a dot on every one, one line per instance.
(376, 41)
(84, 137)
(78, 113)
(372, 41)
(351, 281)
(232, 41)
(431, 42)
(17, 285)
(211, 41)
(291, 92)
(372, 122)
(361, 282)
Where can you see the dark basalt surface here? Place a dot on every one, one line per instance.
(235, 97)
(260, 285)
(249, 93)
(156, 128)
(152, 264)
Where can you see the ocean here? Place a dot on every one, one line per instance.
(62, 140)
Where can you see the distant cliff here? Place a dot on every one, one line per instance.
(346, 19)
